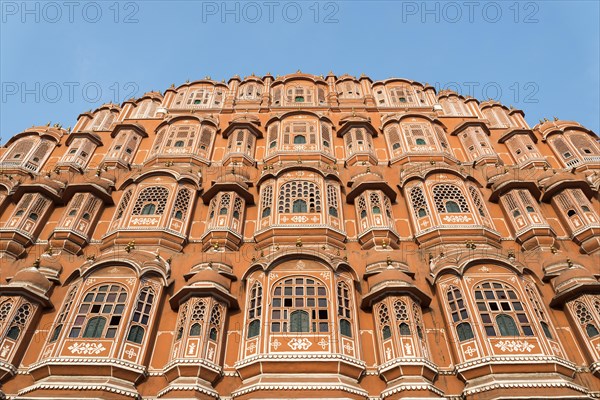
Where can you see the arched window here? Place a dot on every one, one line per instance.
(586, 320)
(460, 315)
(418, 201)
(332, 201)
(266, 201)
(299, 139)
(198, 317)
(141, 315)
(151, 201)
(344, 310)
(123, 204)
(506, 325)
(299, 321)
(299, 303)
(100, 312)
(496, 301)
(384, 322)
(402, 318)
(538, 308)
(182, 202)
(299, 206)
(148, 209)
(5, 308)
(19, 321)
(255, 310)
(62, 317)
(299, 196)
(449, 198)
(215, 322)
(94, 327)
(452, 207)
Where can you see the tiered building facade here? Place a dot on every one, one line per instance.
(300, 237)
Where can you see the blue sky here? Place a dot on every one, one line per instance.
(59, 60)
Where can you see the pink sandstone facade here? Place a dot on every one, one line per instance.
(300, 237)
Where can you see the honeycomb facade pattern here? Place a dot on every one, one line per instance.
(300, 236)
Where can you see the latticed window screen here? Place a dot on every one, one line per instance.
(62, 317)
(215, 322)
(19, 321)
(254, 310)
(100, 312)
(383, 315)
(326, 135)
(419, 202)
(586, 320)
(19, 149)
(299, 304)
(238, 208)
(538, 308)
(418, 319)
(419, 134)
(182, 202)
(198, 317)
(5, 308)
(180, 136)
(155, 196)
(394, 140)
(584, 144)
(182, 317)
(141, 315)
(332, 201)
(266, 201)
(501, 311)
(478, 202)
(444, 193)
(562, 148)
(401, 95)
(123, 204)
(362, 207)
(459, 313)
(145, 109)
(401, 311)
(344, 309)
(299, 196)
(375, 202)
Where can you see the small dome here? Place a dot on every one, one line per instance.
(33, 278)
(209, 276)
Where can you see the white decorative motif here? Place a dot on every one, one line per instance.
(468, 279)
(273, 275)
(484, 269)
(299, 218)
(557, 349)
(47, 352)
(211, 353)
(323, 343)
(512, 346)
(469, 351)
(86, 348)
(251, 347)
(130, 281)
(130, 353)
(300, 344)
(114, 270)
(4, 351)
(300, 265)
(90, 281)
(457, 218)
(349, 348)
(388, 353)
(275, 344)
(598, 346)
(145, 221)
(408, 349)
(326, 275)
(191, 348)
